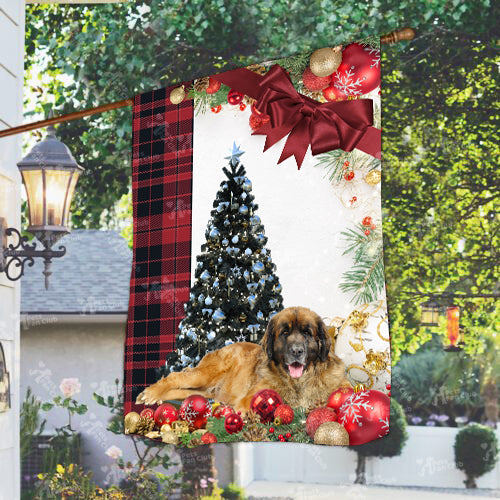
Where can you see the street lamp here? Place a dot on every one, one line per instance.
(429, 315)
(50, 173)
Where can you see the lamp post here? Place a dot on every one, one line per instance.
(429, 315)
(50, 173)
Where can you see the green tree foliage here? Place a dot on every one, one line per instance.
(476, 452)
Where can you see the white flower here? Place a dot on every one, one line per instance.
(114, 452)
(70, 386)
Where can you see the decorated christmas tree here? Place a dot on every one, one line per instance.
(235, 290)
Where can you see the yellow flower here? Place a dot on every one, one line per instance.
(60, 469)
(40, 476)
(70, 468)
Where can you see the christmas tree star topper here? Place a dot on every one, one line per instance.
(234, 154)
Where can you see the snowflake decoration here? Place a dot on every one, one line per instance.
(346, 83)
(236, 270)
(190, 414)
(208, 411)
(384, 429)
(375, 53)
(352, 407)
(241, 338)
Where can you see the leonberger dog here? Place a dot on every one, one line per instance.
(294, 358)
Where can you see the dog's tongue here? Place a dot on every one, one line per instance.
(295, 370)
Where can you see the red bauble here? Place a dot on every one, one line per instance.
(195, 410)
(349, 176)
(165, 414)
(365, 416)
(208, 438)
(313, 82)
(148, 413)
(222, 411)
(338, 398)
(332, 93)
(243, 106)
(233, 423)
(264, 403)
(359, 72)
(213, 86)
(317, 417)
(285, 413)
(234, 97)
(257, 121)
(367, 221)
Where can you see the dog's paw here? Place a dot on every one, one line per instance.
(148, 397)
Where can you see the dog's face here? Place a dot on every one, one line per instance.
(296, 338)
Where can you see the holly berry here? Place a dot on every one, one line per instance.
(354, 198)
(346, 163)
(373, 226)
(367, 232)
(349, 176)
(388, 387)
(271, 429)
(389, 393)
(281, 436)
(288, 435)
(243, 106)
(367, 221)
(216, 109)
(213, 86)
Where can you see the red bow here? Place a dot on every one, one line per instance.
(324, 126)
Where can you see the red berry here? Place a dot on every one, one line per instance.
(281, 436)
(216, 109)
(389, 393)
(288, 435)
(367, 232)
(354, 198)
(313, 82)
(367, 221)
(271, 429)
(213, 86)
(388, 387)
(373, 226)
(349, 176)
(346, 163)
(243, 106)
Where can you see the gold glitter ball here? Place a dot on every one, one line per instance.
(180, 427)
(170, 437)
(131, 420)
(373, 178)
(177, 95)
(331, 433)
(325, 61)
(375, 362)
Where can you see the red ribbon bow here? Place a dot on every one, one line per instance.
(324, 126)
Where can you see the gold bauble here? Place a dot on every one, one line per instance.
(325, 61)
(331, 433)
(130, 422)
(180, 427)
(243, 317)
(177, 95)
(170, 437)
(373, 177)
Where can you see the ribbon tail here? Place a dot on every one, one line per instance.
(297, 143)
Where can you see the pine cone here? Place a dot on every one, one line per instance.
(201, 84)
(144, 425)
(255, 433)
(195, 442)
(317, 96)
(251, 417)
(257, 68)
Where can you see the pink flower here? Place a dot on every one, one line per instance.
(70, 386)
(203, 483)
(114, 452)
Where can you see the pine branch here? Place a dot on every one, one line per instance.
(371, 41)
(295, 65)
(204, 102)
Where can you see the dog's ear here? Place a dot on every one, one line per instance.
(325, 342)
(267, 341)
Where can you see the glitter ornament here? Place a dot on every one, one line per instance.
(147, 413)
(208, 438)
(170, 437)
(313, 82)
(213, 86)
(331, 433)
(195, 410)
(233, 423)
(165, 414)
(325, 61)
(219, 315)
(177, 95)
(264, 403)
(130, 422)
(373, 177)
(285, 413)
(317, 417)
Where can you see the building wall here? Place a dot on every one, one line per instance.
(11, 88)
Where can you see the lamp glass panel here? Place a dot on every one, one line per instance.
(71, 191)
(34, 190)
(55, 194)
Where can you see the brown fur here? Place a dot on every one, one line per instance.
(236, 372)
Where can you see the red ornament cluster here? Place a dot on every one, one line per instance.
(264, 403)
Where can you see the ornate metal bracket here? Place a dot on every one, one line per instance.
(16, 257)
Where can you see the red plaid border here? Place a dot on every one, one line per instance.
(162, 165)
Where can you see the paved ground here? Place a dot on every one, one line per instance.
(259, 490)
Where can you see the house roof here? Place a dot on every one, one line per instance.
(92, 278)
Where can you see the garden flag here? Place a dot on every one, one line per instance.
(257, 297)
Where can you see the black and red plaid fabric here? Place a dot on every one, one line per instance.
(162, 171)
